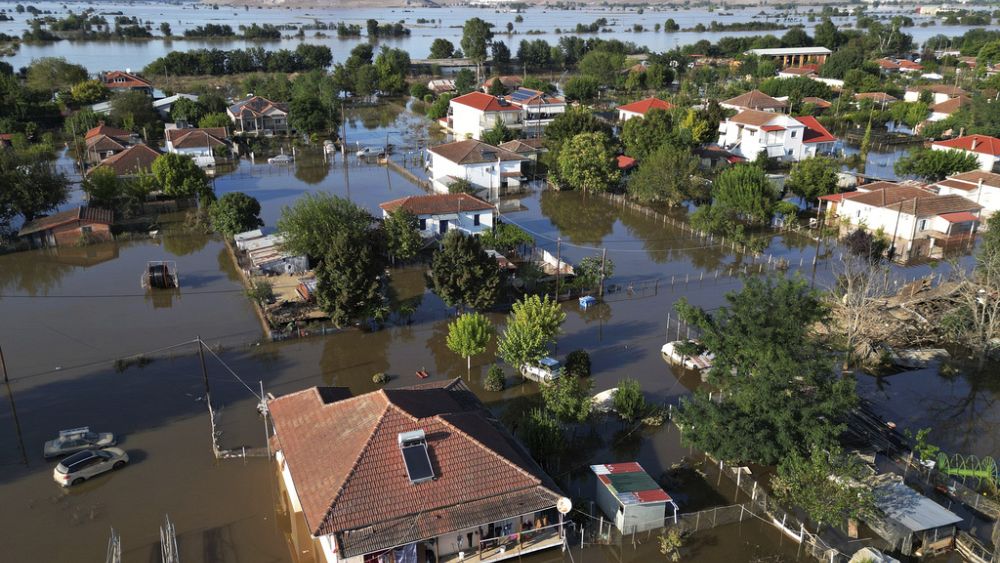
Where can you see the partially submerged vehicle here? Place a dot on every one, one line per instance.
(548, 369)
(77, 439)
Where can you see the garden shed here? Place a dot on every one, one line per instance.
(630, 497)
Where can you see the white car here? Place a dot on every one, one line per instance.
(370, 151)
(87, 464)
(548, 369)
(76, 439)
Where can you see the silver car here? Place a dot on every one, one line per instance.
(77, 439)
(87, 464)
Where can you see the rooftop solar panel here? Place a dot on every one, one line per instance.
(521, 95)
(418, 463)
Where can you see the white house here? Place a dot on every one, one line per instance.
(642, 107)
(914, 218)
(538, 110)
(439, 213)
(482, 164)
(258, 116)
(471, 114)
(946, 108)
(201, 144)
(755, 100)
(939, 92)
(978, 186)
(985, 148)
(780, 136)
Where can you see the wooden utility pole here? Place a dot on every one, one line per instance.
(204, 370)
(604, 261)
(558, 265)
(3, 366)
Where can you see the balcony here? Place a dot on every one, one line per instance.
(508, 547)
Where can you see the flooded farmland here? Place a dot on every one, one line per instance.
(75, 318)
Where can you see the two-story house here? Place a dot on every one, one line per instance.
(471, 114)
(538, 109)
(203, 144)
(755, 100)
(978, 186)
(482, 164)
(439, 213)
(780, 136)
(103, 141)
(126, 81)
(259, 116)
(416, 474)
(986, 149)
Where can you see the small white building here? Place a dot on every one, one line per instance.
(939, 92)
(482, 164)
(642, 107)
(985, 148)
(201, 144)
(944, 110)
(978, 186)
(751, 132)
(471, 114)
(439, 213)
(915, 219)
(631, 498)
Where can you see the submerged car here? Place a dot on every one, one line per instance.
(76, 439)
(548, 369)
(87, 464)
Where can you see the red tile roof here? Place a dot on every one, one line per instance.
(814, 132)
(818, 102)
(471, 151)
(83, 214)
(800, 71)
(934, 205)
(959, 217)
(197, 137)
(135, 159)
(910, 65)
(484, 102)
(625, 162)
(436, 204)
(884, 194)
(102, 129)
(982, 144)
(887, 64)
(975, 176)
(121, 79)
(770, 128)
(951, 105)
(643, 106)
(755, 100)
(345, 461)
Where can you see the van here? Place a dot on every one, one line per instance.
(548, 369)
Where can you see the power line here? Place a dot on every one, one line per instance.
(113, 295)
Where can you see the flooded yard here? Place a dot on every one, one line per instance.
(70, 313)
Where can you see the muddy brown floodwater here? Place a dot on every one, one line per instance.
(68, 314)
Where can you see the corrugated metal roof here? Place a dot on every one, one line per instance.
(910, 509)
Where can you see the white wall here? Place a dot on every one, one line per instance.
(625, 115)
(754, 141)
(485, 175)
(989, 197)
(986, 161)
(464, 221)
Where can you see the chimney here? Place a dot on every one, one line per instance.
(975, 142)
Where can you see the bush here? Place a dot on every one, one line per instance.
(380, 378)
(578, 363)
(628, 399)
(495, 380)
(419, 90)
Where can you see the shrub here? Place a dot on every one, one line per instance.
(495, 380)
(628, 399)
(578, 363)
(380, 378)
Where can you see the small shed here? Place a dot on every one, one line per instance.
(68, 228)
(909, 521)
(630, 497)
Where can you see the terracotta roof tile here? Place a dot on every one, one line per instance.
(471, 151)
(120, 79)
(643, 106)
(935, 205)
(755, 100)
(132, 160)
(484, 102)
(982, 144)
(951, 105)
(884, 194)
(436, 204)
(974, 176)
(814, 132)
(754, 118)
(197, 137)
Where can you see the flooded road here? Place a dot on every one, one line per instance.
(69, 314)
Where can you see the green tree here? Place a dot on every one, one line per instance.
(505, 237)
(439, 108)
(665, 176)
(743, 193)
(465, 81)
(582, 88)
(605, 66)
(476, 38)
(827, 484)
(441, 48)
(54, 74)
(780, 394)
(89, 92)
(533, 324)
(348, 280)
(315, 220)
(392, 66)
(463, 275)
(103, 187)
(462, 186)
(642, 137)
(215, 120)
(403, 240)
(261, 291)
(186, 110)
(469, 335)
(565, 126)
(498, 134)
(628, 399)
(568, 398)
(588, 163)
(133, 111)
(234, 213)
(578, 363)
(813, 177)
(31, 187)
(495, 380)
(165, 29)
(934, 165)
(588, 271)
(179, 176)
(543, 435)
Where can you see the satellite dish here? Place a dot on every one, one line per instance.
(564, 505)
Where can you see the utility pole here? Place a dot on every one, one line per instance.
(3, 366)
(204, 371)
(604, 261)
(558, 265)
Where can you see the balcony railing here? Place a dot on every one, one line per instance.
(507, 547)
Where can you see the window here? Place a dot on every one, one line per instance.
(475, 219)
(86, 229)
(423, 224)
(923, 224)
(794, 133)
(443, 226)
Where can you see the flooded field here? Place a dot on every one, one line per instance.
(70, 314)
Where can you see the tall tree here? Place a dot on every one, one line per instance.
(463, 275)
(103, 187)
(779, 392)
(441, 48)
(743, 192)
(348, 278)
(568, 398)
(666, 175)
(403, 240)
(469, 335)
(179, 176)
(31, 187)
(54, 74)
(476, 37)
(315, 220)
(588, 163)
(499, 133)
(566, 125)
(533, 324)
(234, 213)
(827, 485)
(643, 137)
(813, 177)
(934, 165)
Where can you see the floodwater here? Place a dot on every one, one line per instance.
(136, 54)
(69, 314)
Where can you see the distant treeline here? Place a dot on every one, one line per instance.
(253, 32)
(737, 26)
(254, 59)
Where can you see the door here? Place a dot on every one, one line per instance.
(443, 226)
